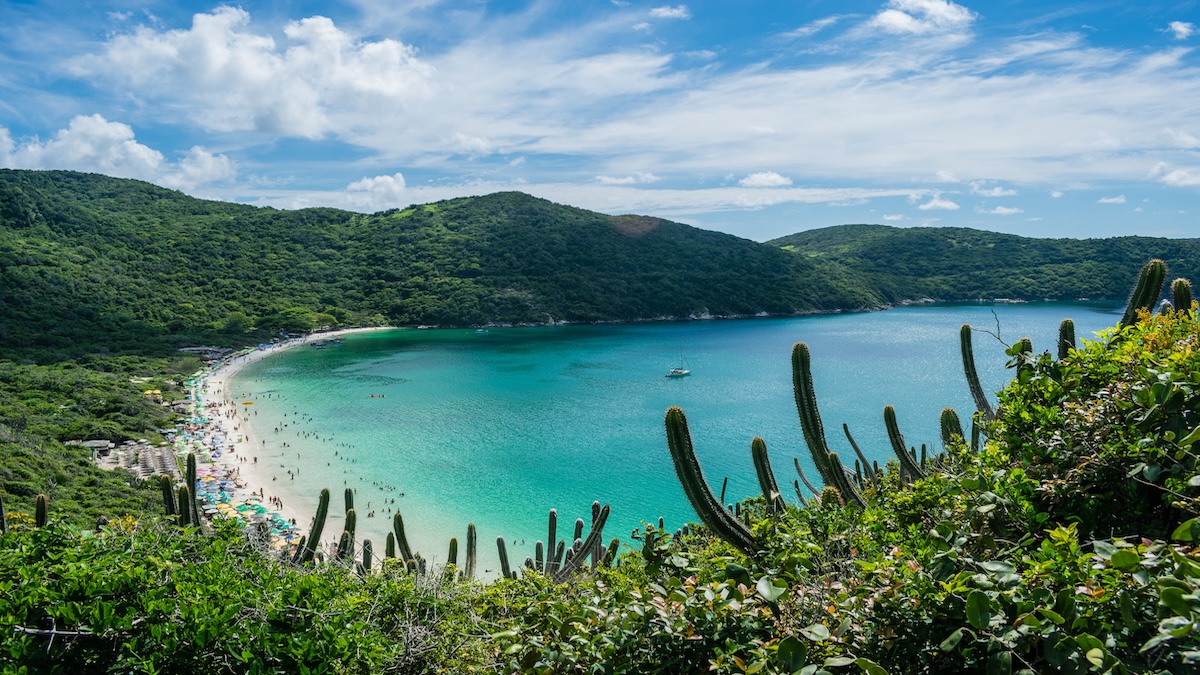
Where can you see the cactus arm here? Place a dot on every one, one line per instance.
(505, 571)
(299, 550)
(452, 556)
(1181, 295)
(314, 535)
(907, 462)
(551, 537)
(1146, 291)
(691, 477)
(3, 518)
(471, 553)
(843, 484)
(799, 494)
(569, 567)
(866, 465)
(968, 359)
(766, 477)
(367, 555)
(41, 511)
(185, 514)
(1066, 338)
(810, 415)
(167, 487)
(804, 478)
(389, 546)
(406, 553)
(610, 553)
(951, 427)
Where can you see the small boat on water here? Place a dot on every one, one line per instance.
(681, 370)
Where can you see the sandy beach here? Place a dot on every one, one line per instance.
(228, 450)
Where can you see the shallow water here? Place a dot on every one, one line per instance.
(498, 428)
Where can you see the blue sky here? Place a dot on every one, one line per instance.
(1074, 119)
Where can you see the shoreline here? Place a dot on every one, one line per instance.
(225, 442)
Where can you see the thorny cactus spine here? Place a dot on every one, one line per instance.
(907, 463)
(968, 359)
(951, 427)
(1181, 295)
(1146, 291)
(314, 535)
(691, 477)
(766, 477)
(810, 416)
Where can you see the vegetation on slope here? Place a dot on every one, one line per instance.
(1066, 543)
(950, 263)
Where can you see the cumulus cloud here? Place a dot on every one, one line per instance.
(1175, 177)
(635, 178)
(1005, 211)
(377, 193)
(937, 203)
(93, 144)
(226, 78)
(765, 179)
(1182, 30)
(920, 17)
(668, 12)
(978, 188)
(893, 217)
(1119, 199)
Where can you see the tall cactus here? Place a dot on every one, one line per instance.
(804, 478)
(766, 477)
(389, 546)
(570, 566)
(951, 427)
(1146, 291)
(842, 482)
(367, 555)
(872, 475)
(452, 556)
(469, 568)
(192, 506)
(185, 514)
(167, 487)
(551, 537)
(968, 359)
(691, 477)
(3, 518)
(1066, 338)
(349, 497)
(1181, 295)
(406, 553)
(346, 545)
(41, 513)
(314, 535)
(907, 463)
(505, 570)
(810, 416)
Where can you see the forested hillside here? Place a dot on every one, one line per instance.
(951, 263)
(89, 262)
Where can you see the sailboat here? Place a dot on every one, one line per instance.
(681, 370)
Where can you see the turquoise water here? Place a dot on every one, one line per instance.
(498, 428)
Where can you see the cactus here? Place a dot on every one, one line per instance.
(804, 478)
(505, 570)
(724, 485)
(1181, 295)
(299, 549)
(539, 556)
(346, 543)
(691, 477)
(185, 514)
(389, 546)
(810, 416)
(367, 555)
(314, 535)
(799, 494)
(452, 556)
(192, 506)
(951, 427)
(872, 474)
(766, 477)
(976, 432)
(1146, 291)
(843, 484)
(3, 518)
(168, 493)
(570, 566)
(551, 537)
(610, 554)
(41, 514)
(578, 529)
(406, 553)
(907, 463)
(349, 496)
(968, 359)
(470, 561)
(1066, 338)
(830, 496)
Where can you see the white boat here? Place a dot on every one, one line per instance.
(681, 370)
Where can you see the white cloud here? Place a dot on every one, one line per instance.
(937, 203)
(813, 27)
(977, 188)
(1182, 30)
(93, 144)
(377, 193)
(946, 177)
(1181, 139)
(893, 217)
(1175, 177)
(1005, 211)
(635, 178)
(1119, 199)
(668, 12)
(918, 17)
(1056, 194)
(762, 179)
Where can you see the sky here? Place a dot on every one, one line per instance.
(757, 118)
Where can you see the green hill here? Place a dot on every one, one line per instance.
(952, 263)
(89, 262)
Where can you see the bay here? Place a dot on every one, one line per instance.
(496, 428)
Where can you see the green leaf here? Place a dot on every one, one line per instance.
(870, 667)
(816, 632)
(791, 654)
(979, 610)
(1188, 530)
(737, 574)
(771, 590)
(1000, 663)
(952, 641)
(1126, 560)
(1095, 657)
(1192, 437)
(1172, 597)
(835, 661)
